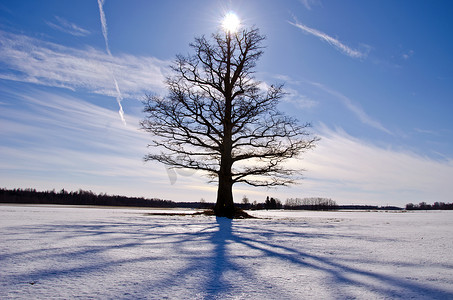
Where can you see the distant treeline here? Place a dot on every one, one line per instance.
(317, 203)
(81, 197)
(313, 203)
(425, 206)
(293, 204)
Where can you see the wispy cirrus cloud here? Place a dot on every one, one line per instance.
(307, 101)
(352, 170)
(87, 137)
(62, 141)
(426, 131)
(353, 107)
(408, 54)
(299, 100)
(309, 3)
(27, 59)
(354, 53)
(53, 140)
(65, 26)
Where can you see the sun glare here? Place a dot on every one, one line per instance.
(231, 22)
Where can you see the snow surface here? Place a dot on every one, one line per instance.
(111, 253)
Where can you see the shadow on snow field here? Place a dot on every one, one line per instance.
(191, 257)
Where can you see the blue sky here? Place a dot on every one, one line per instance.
(375, 78)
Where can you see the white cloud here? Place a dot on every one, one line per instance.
(31, 60)
(308, 3)
(68, 27)
(354, 108)
(58, 141)
(330, 40)
(353, 171)
(408, 54)
(426, 131)
(304, 101)
(299, 100)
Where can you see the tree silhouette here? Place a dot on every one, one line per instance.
(218, 118)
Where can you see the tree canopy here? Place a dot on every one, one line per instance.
(218, 118)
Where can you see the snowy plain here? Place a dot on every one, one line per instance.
(63, 252)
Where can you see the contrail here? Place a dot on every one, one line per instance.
(330, 40)
(119, 97)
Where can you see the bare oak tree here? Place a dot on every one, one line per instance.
(218, 118)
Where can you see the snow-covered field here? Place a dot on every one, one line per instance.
(105, 253)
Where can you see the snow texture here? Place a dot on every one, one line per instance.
(51, 252)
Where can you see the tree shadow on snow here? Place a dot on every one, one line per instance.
(224, 270)
(219, 263)
(212, 256)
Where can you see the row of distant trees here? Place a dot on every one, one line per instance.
(314, 203)
(80, 197)
(426, 206)
(270, 203)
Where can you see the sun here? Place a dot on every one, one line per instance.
(231, 22)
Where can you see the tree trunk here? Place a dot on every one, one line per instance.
(224, 206)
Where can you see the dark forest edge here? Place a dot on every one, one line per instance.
(89, 198)
(426, 206)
